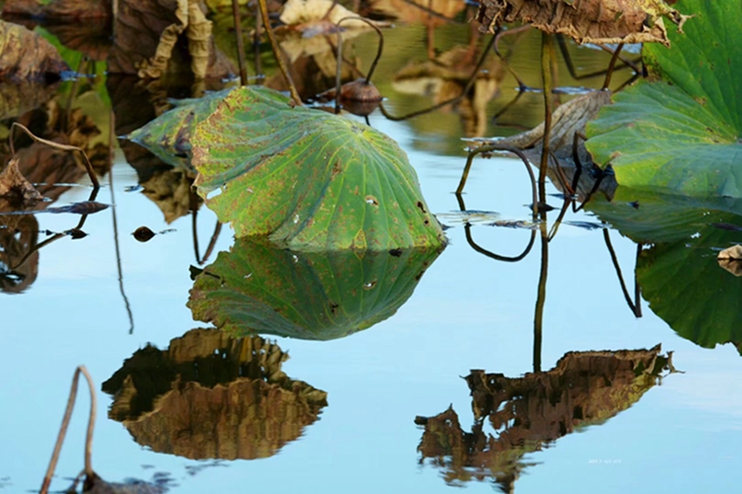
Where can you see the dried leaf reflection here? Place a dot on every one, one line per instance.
(530, 412)
(212, 396)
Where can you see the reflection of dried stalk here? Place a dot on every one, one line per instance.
(495, 147)
(634, 305)
(212, 242)
(578, 77)
(65, 424)
(277, 52)
(487, 253)
(464, 92)
(56, 145)
(71, 232)
(538, 317)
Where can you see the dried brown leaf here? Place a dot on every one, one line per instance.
(24, 55)
(14, 187)
(586, 21)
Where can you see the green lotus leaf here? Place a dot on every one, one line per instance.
(681, 134)
(169, 136)
(258, 288)
(678, 272)
(306, 179)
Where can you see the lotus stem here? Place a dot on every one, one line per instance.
(277, 52)
(546, 58)
(612, 66)
(240, 41)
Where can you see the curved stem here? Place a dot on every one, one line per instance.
(56, 145)
(492, 255)
(277, 52)
(65, 424)
(379, 49)
(495, 147)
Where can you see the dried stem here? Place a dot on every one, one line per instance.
(65, 425)
(612, 66)
(56, 145)
(240, 41)
(277, 52)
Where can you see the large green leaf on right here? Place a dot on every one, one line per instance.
(682, 133)
(677, 270)
(257, 288)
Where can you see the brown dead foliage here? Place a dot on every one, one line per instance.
(567, 121)
(212, 396)
(148, 40)
(428, 12)
(586, 21)
(530, 412)
(19, 263)
(15, 189)
(26, 56)
(59, 10)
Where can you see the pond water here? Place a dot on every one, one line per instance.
(607, 420)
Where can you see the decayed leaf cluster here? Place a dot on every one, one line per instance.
(212, 396)
(145, 40)
(568, 120)
(14, 188)
(531, 411)
(586, 21)
(24, 55)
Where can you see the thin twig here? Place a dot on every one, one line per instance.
(277, 52)
(56, 145)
